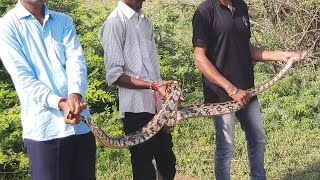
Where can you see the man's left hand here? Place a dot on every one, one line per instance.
(296, 56)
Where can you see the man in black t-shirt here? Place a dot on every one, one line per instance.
(224, 54)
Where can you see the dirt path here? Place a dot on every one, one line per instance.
(183, 177)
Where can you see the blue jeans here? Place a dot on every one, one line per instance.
(251, 123)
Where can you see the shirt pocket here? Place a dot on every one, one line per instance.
(59, 67)
(150, 58)
(59, 50)
(150, 47)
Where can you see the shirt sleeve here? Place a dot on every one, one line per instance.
(248, 18)
(22, 74)
(75, 61)
(201, 27)
(112, 35)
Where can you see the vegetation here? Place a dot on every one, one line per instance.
(290, 108)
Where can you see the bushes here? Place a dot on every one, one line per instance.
(285, 25)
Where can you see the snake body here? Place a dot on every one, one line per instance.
(170, 115)
(149, 130)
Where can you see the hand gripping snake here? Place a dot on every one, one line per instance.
(170, 115)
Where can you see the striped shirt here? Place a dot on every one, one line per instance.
(46, 63)
(127, 39)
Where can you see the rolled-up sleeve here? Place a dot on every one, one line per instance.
(201, 28)
(112, 38)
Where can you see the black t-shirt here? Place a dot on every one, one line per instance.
(226, 35)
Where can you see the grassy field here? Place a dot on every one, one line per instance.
(293, 141)
(293, 152)
(293, 147)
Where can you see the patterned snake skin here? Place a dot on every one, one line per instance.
(170, 115)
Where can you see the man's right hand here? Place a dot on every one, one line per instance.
(161, 87)
(242, 96)
(69, 116)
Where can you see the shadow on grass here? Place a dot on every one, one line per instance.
(310, 173)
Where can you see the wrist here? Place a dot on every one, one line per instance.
(62, 100)
(230, 89)
(234, 92)
(79, 96)
(153, 86)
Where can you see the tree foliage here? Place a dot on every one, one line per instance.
(276, 24)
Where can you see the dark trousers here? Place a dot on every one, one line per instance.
(158, 147)
(69, 158)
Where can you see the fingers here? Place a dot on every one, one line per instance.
(75, 103)
(83, 106)
(70, 118)
(243, 102)
(73, 114)
(295, 60)
(169, 82)
(72, 108)
(295, 57)
(242, 97)
(161, 87)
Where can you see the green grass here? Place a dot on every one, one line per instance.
(293, 145)
(293, 152)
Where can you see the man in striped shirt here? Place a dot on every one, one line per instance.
(131, 62)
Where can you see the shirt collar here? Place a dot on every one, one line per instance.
(22, 12)
(127, 11)
(235, 3)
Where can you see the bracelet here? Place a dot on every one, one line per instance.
(234, 92)
(155, 96)
(62, 100)
(153, 86)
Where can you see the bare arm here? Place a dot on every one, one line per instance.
(133, 83)
(259, 54)
(210, 71)
(205, 66)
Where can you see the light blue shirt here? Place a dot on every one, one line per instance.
(46, 63)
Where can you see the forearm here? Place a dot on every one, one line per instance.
(132, 83)
(260, 54)
(212, 73)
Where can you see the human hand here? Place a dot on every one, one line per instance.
(161, 87)
(242, 96)
(71, 108)
(69, 118)
(295, 56)
(76, 104)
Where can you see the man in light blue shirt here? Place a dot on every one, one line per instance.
(40, 50)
